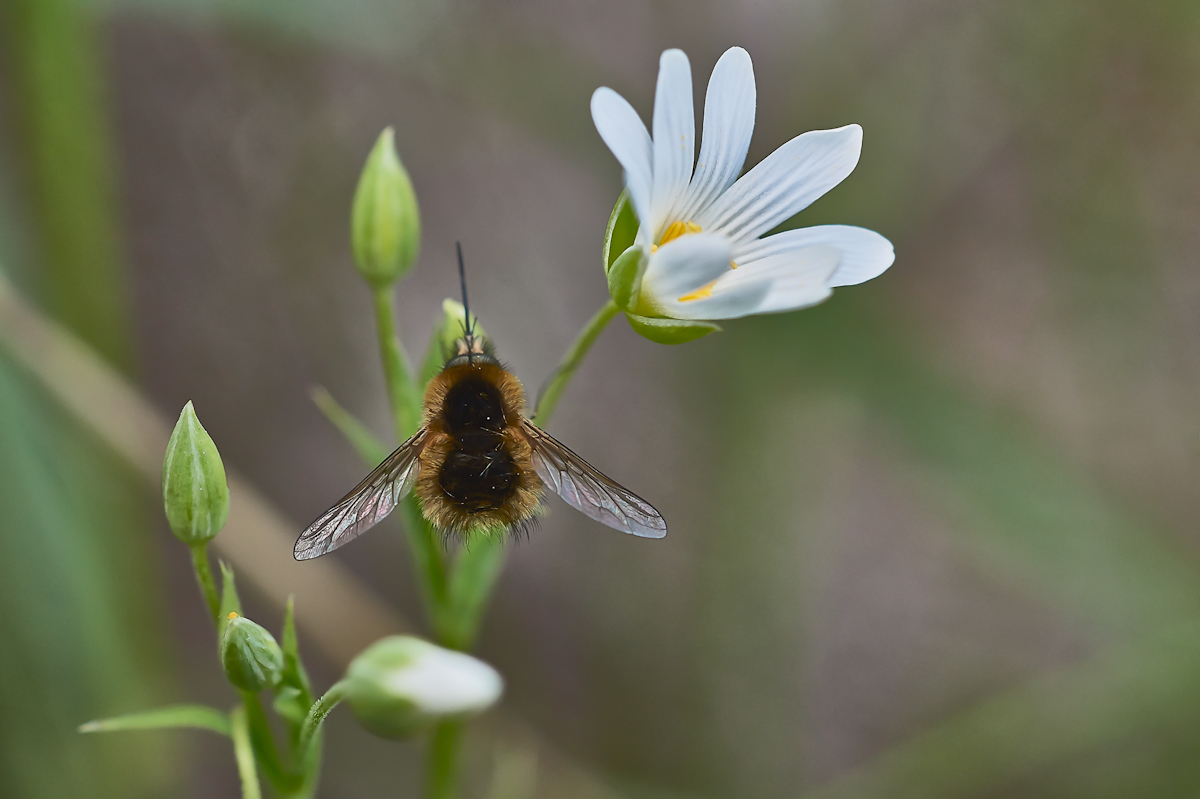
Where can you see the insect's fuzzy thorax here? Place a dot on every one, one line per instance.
(448, 439)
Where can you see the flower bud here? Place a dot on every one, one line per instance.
(385, 226)
(251, 657)
(441, 344)
(195, 494)
(400, 685)
(669, 331)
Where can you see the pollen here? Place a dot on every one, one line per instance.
(677, 229)
(704, 291)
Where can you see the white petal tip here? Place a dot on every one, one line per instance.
(674, 56)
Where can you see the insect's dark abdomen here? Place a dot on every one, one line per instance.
(479, 473)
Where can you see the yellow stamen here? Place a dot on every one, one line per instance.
(232, 615)
(733, 264)
(677, 229)
(704, 291)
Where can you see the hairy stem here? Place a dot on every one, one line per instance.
(316, 716)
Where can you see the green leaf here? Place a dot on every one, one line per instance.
(669, 331)
(621, 231)
(231, 605)
(625, 278)
(363, 440)
(293, 669)
(176, 717)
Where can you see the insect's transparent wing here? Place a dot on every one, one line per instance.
(589, 491)
(367, 505)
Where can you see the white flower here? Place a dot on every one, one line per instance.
(400, 685)
(703, 229)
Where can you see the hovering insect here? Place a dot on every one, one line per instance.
(478, 463)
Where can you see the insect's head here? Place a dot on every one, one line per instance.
(472, 346)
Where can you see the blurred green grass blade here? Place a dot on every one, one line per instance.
(363, 440)
(1030, 514)
(65, 135)
(196, 717)
(81, 628)
(1151, 684)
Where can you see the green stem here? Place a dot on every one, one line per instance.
(406, 406)
(557, 384)
(243, 752)
(406, 413)
(316, 716)
(264, 746)
(204, 577)
(445, 746)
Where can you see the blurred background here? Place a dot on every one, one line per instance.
(935, 538)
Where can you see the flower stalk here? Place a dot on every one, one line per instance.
(204, 579)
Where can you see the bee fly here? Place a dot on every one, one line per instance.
(478, 463)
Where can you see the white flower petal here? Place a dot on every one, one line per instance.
(784, 183)
(723, 302)
(683, 266)
(674, 138)
(728, 125)
(796, 278)
(623, 131)
(864, 254)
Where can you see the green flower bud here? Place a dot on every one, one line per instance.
(401, 685)
(385, 226)
(251, 657)
(195, 494)
(669, 331)
(441, 343)
(454, 319)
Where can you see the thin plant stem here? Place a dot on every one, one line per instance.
(264, 745)
(204, 577)
(406, 414)
(243, 752)
(316, 715)
(557, 384)
(445, 747)
(406, 406)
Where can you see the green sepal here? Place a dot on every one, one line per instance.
(621, 231)
(385, 224)
(251, 656)
(625, 278)
(230, 602)
(195, 491)
(670, 331)
(175, 717)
